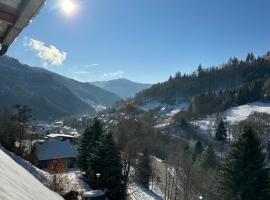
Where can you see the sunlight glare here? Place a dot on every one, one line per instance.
(68, 7)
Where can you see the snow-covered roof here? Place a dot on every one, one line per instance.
(55, 149)
(94, 193)
(57, 135)
(18, 184)
(15, 15)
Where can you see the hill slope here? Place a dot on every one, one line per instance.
(122, 87)
(47, 93)
(230, 75)
(18, 184)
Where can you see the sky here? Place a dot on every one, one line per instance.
(142, 40)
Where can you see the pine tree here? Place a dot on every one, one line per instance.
(209, 159)
(198, 149)
(88, 148)
(110, 168)
(244, 175)
(144, 170)
(221, 132)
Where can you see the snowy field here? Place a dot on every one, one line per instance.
(168, 109)
(233, 115)
(241, 113)
(18, 184)
(165, 111)
(137, 192)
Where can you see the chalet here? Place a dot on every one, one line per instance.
(54, 149)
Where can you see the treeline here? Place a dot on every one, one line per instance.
(13, 130)
(213, 102)
(230, 75)
(121, 154)
(127, 153)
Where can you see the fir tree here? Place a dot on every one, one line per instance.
(209, 159)
(110, 168)
(144, 170)
(221, 132)
(198, 149)
(244, 175)
(88, 148)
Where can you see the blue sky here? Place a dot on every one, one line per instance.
(142, 40)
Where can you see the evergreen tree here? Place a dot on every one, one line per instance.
(88, 148)
(199, 70)
(198, 149)
(244, 175)
(144, 170)
(187, 151)
(110, 168)
(209, 159)
(221, 132)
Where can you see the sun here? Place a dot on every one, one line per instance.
(68, 7)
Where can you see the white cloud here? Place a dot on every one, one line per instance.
(50, 55)
(82, 72)
(116, 74)
(92, 65)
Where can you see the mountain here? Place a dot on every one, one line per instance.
(182, 87)
(48, 94)
(122, 87)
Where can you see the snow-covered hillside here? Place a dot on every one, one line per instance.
(233, 115)
(169, 110)
(240, 113)
(18, 184)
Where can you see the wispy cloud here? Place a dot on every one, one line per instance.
(92, 65)
(50, 55)
(116, 74)
(82, 72)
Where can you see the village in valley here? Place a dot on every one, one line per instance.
(134, 100)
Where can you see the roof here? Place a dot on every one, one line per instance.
(54, 149)
(59, 135)
(15, 15)
(18, 184)
(94, 193)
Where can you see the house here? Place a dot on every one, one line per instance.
(54, 149)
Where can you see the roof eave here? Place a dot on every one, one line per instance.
(27, 10)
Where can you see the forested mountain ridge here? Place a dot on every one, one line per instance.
(48, 94)
(233, 74)
(122, 87)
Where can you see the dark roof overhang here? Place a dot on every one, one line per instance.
(15, 15)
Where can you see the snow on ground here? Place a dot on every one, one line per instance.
(157, 159)
(70, 181)
(158, 191)
(150, 106)
(232, 116)
(173, 110)
(38, 173)
(168, 110)
(137, 192)
(18, 184)
(72, 178)
(240, 113)
(163, 125)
